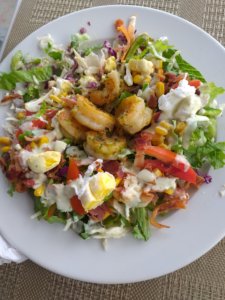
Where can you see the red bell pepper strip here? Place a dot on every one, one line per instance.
(188, 175)
(168, 157)
(77, 206)
(73, 170)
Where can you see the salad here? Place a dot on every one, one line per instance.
(108, 137)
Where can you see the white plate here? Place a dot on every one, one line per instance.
(193, 231)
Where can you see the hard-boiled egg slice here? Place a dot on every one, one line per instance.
(99, 186)
(43, 162)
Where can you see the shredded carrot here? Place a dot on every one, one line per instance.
(118, 23)
(128, 33)
(175, 203)
(153, 221)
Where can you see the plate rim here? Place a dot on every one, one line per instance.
(219, 236)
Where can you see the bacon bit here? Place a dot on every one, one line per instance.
(139, 160)
(31, 139)
(100, 213)
(113, 167)
(142, 139)
(11, 97)
(174, 203)
(50, 113)
(69, 102)
(29, 113)
(53, 173)
(29, 183)
(153, 102)
(3, 163)
(156, 116)
(20, 187)
(172, 81)
(51, 210)
(148, 197)
(199, 181)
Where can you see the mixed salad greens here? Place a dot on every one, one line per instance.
(109, 136)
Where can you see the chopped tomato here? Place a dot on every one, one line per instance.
(77, 206)
(196, 83)
(188, 175)
(73, 170)
(39, 123)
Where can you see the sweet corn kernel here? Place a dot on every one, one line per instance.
(33, 145)
(180, 127)
(157, 139)
(161, 130)
(4, 140)
(56, 99)
(110, 64)
(158, 173)
(137, 79)
(160, 64)
(160, 89)
(163, 145)
(160, 71)
(43, 140)
(39, 191)
(5, 149)
(169, 191)
(147, 79)
(166, 124)
(20, 115)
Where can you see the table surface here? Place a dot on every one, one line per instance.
(203, 279)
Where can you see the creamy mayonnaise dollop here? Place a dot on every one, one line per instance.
(181, 103)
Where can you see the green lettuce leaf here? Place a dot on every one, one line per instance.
(180, 64)
(77, 39)
(211, 89)
(17, 61)
(56, 55)
(210, 152)
(140, 222)
(8, 80)
(32, 92)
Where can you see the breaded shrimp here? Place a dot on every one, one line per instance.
(110, 92)
(100, 146)
(70, 127)
(132, 114)
(87, 114)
